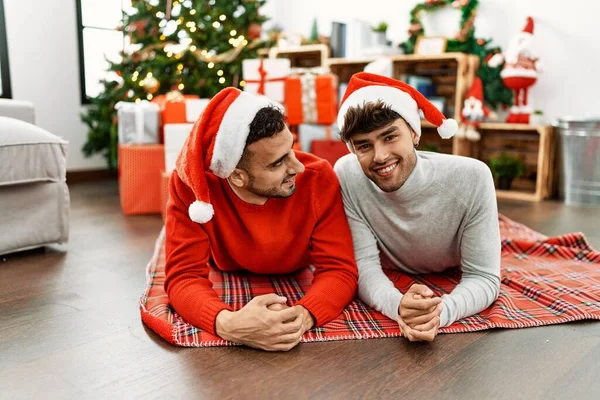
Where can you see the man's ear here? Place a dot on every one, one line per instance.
(415, 138)
(239, 178)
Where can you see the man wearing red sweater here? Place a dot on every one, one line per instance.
(242, 200)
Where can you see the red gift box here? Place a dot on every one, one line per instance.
(311, 99)
(140, 168)
(173, 110)
(330, 149)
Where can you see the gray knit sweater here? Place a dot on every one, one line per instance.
(445, 215)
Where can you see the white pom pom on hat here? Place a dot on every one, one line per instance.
(201, 212)
(448, 128)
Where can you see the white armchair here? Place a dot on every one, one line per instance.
(34, 198)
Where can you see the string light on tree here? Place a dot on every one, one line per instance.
(221, 80)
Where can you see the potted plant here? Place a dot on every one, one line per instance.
(506, 168)
(380, 33)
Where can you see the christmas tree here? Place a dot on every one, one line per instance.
(495, 93)
(192, 46)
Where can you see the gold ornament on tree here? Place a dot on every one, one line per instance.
(151, 85)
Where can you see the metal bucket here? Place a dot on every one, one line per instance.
(580, 160)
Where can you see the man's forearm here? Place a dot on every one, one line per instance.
(470, 296)
(378, 291)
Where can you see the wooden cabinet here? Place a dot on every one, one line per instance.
(534, 145)
(307, 56)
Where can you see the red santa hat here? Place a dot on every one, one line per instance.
(402, 98)
(529, 26)
(476, 90)
(216, 144)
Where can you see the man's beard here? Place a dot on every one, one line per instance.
(270, 192)
(406, 165)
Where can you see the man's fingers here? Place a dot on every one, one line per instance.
(288, 314)
(268, 299)
(408, 333)
(277, 307)
(434, 322)
(419, 336)
(292, 326)
(423, 318)
(422, 290)
(290, 337)
(422, 305)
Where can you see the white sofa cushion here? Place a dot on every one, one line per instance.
(28, 153)
(19, 109)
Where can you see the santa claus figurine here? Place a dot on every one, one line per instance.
(520, 71)
(473, 112)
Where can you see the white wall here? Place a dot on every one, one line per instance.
(44, 69)
(565, 39)
(44, 60)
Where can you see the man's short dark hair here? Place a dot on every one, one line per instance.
(372, 115)
(268, 122)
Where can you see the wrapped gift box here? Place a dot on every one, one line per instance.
(138, 122)
(140, 168)
(309, 132)
(173, 107)
(266, 77)
(323, 141)
(175, 136)
(177, 108)
(311, 98)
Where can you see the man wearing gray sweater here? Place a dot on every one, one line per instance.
(417, 212)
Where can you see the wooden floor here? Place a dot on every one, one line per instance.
(70, 328)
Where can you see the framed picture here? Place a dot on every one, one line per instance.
(430, 45)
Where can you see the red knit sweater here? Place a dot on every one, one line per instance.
(279, 237)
